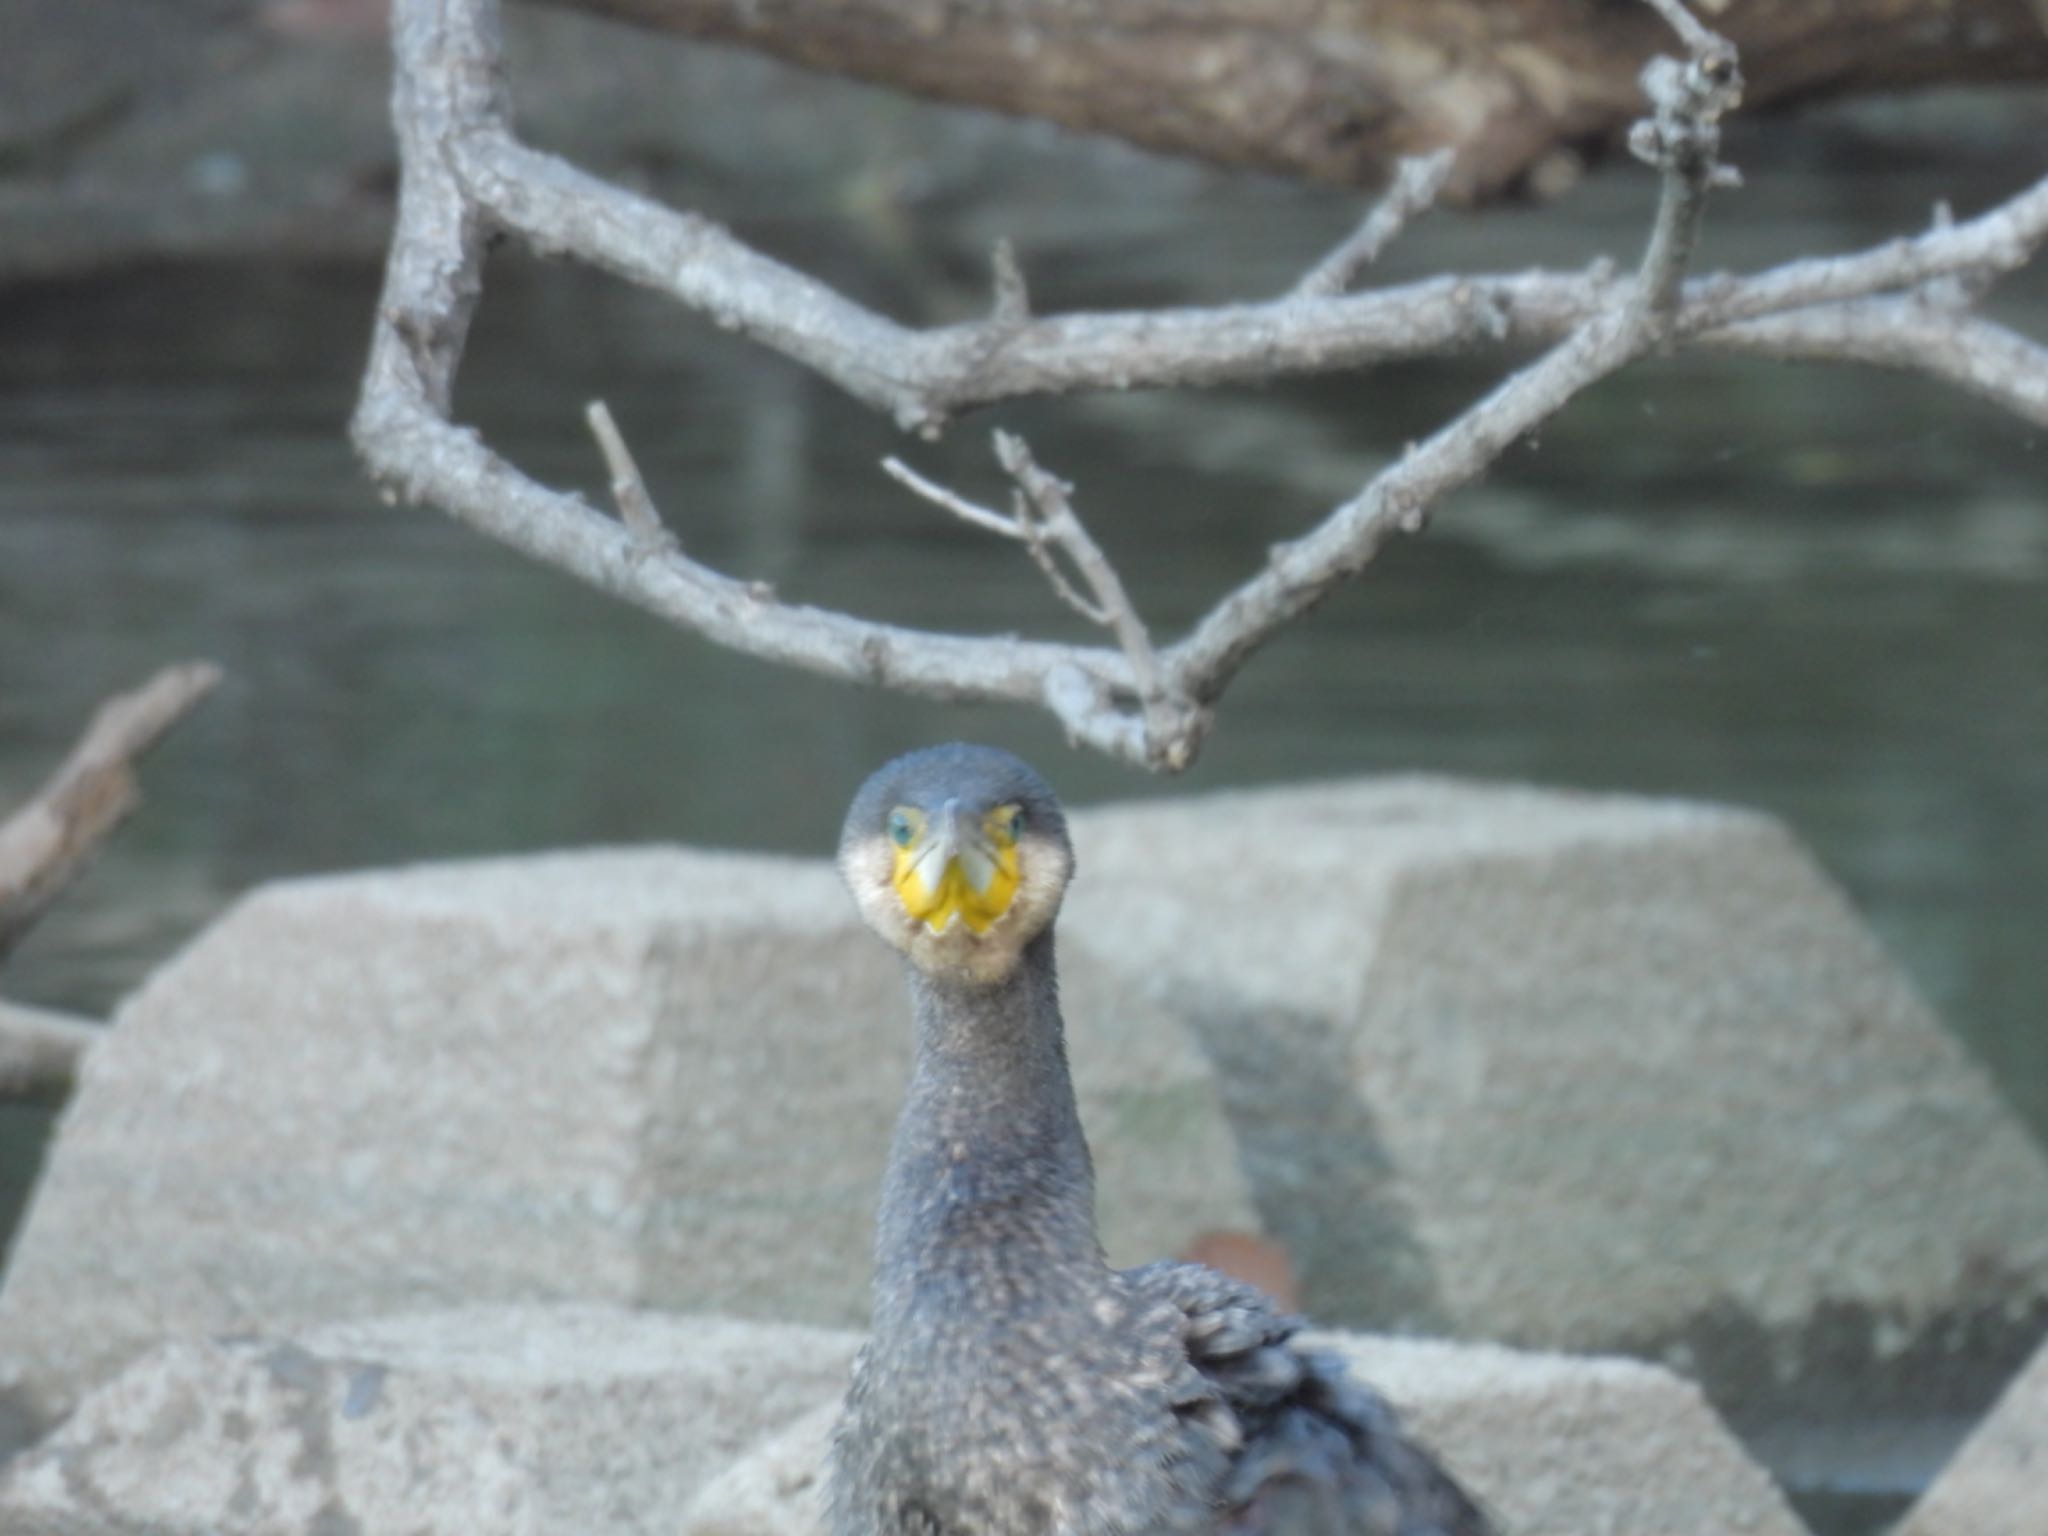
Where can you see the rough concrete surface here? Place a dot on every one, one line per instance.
(776, 1488)
(1578, 1072)
(659, 1077)
(1552, 1446)
(1584, 1072)
(1556, 1445)
(1997, 1485)
(518, 1421)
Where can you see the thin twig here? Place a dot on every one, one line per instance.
(1417, 182)
(1047, 501)
(1027, 525)
(967, 511)
(47, 843)
(1045, 522)
(629, 490)
(1175, 722)
(1012, 299)
(1682, 139)
(1692, 31)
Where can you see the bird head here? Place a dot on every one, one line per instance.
(957, 855)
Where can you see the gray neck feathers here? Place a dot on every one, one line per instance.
(989, 1201)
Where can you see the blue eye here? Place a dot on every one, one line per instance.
(900, 830)
(1015, 825)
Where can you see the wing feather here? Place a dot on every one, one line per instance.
(1313, 1451)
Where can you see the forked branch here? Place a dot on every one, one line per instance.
(467, 176)
(1043, 520)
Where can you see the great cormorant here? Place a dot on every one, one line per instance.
(1014, 1383)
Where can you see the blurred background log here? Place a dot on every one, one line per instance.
(133, 130)
(1525, 91)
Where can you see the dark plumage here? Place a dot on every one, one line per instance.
(1015, 1384)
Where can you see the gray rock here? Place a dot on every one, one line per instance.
(1558, 1445)
(657, 1078)
(1998, 1483)
(777, 1488)
(1579, 1072)
(1585, 1072)
(1553, 1446)
(518, 1421)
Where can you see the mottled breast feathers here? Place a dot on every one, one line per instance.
(1210, 1417)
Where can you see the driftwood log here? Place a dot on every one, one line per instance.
(1523, 91)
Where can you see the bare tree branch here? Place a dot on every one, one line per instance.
(1174, 722)
(47, 843)
(1012, 300)
(983, 518)
(629, 491)
(922, 378)
(41, 1053)
(1688, 99)
(466, 175)
(1683, 140)
(1976, 355)
(1045, 523)
(1417, 182)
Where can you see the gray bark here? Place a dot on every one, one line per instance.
(1904, 304)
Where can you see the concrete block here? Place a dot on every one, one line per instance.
(520, 1421)
(661, 1077)
(1558, 1445)
(775, 1488)
(1584, 1072)
(1997, 1485)
(1552, 1446)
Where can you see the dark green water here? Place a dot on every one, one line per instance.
(1820, 592)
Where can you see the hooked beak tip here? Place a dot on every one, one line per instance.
(947, 838)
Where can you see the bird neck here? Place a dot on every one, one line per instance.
(989, 1177)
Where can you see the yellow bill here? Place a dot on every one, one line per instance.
(949, 866)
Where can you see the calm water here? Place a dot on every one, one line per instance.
(1819, 592)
